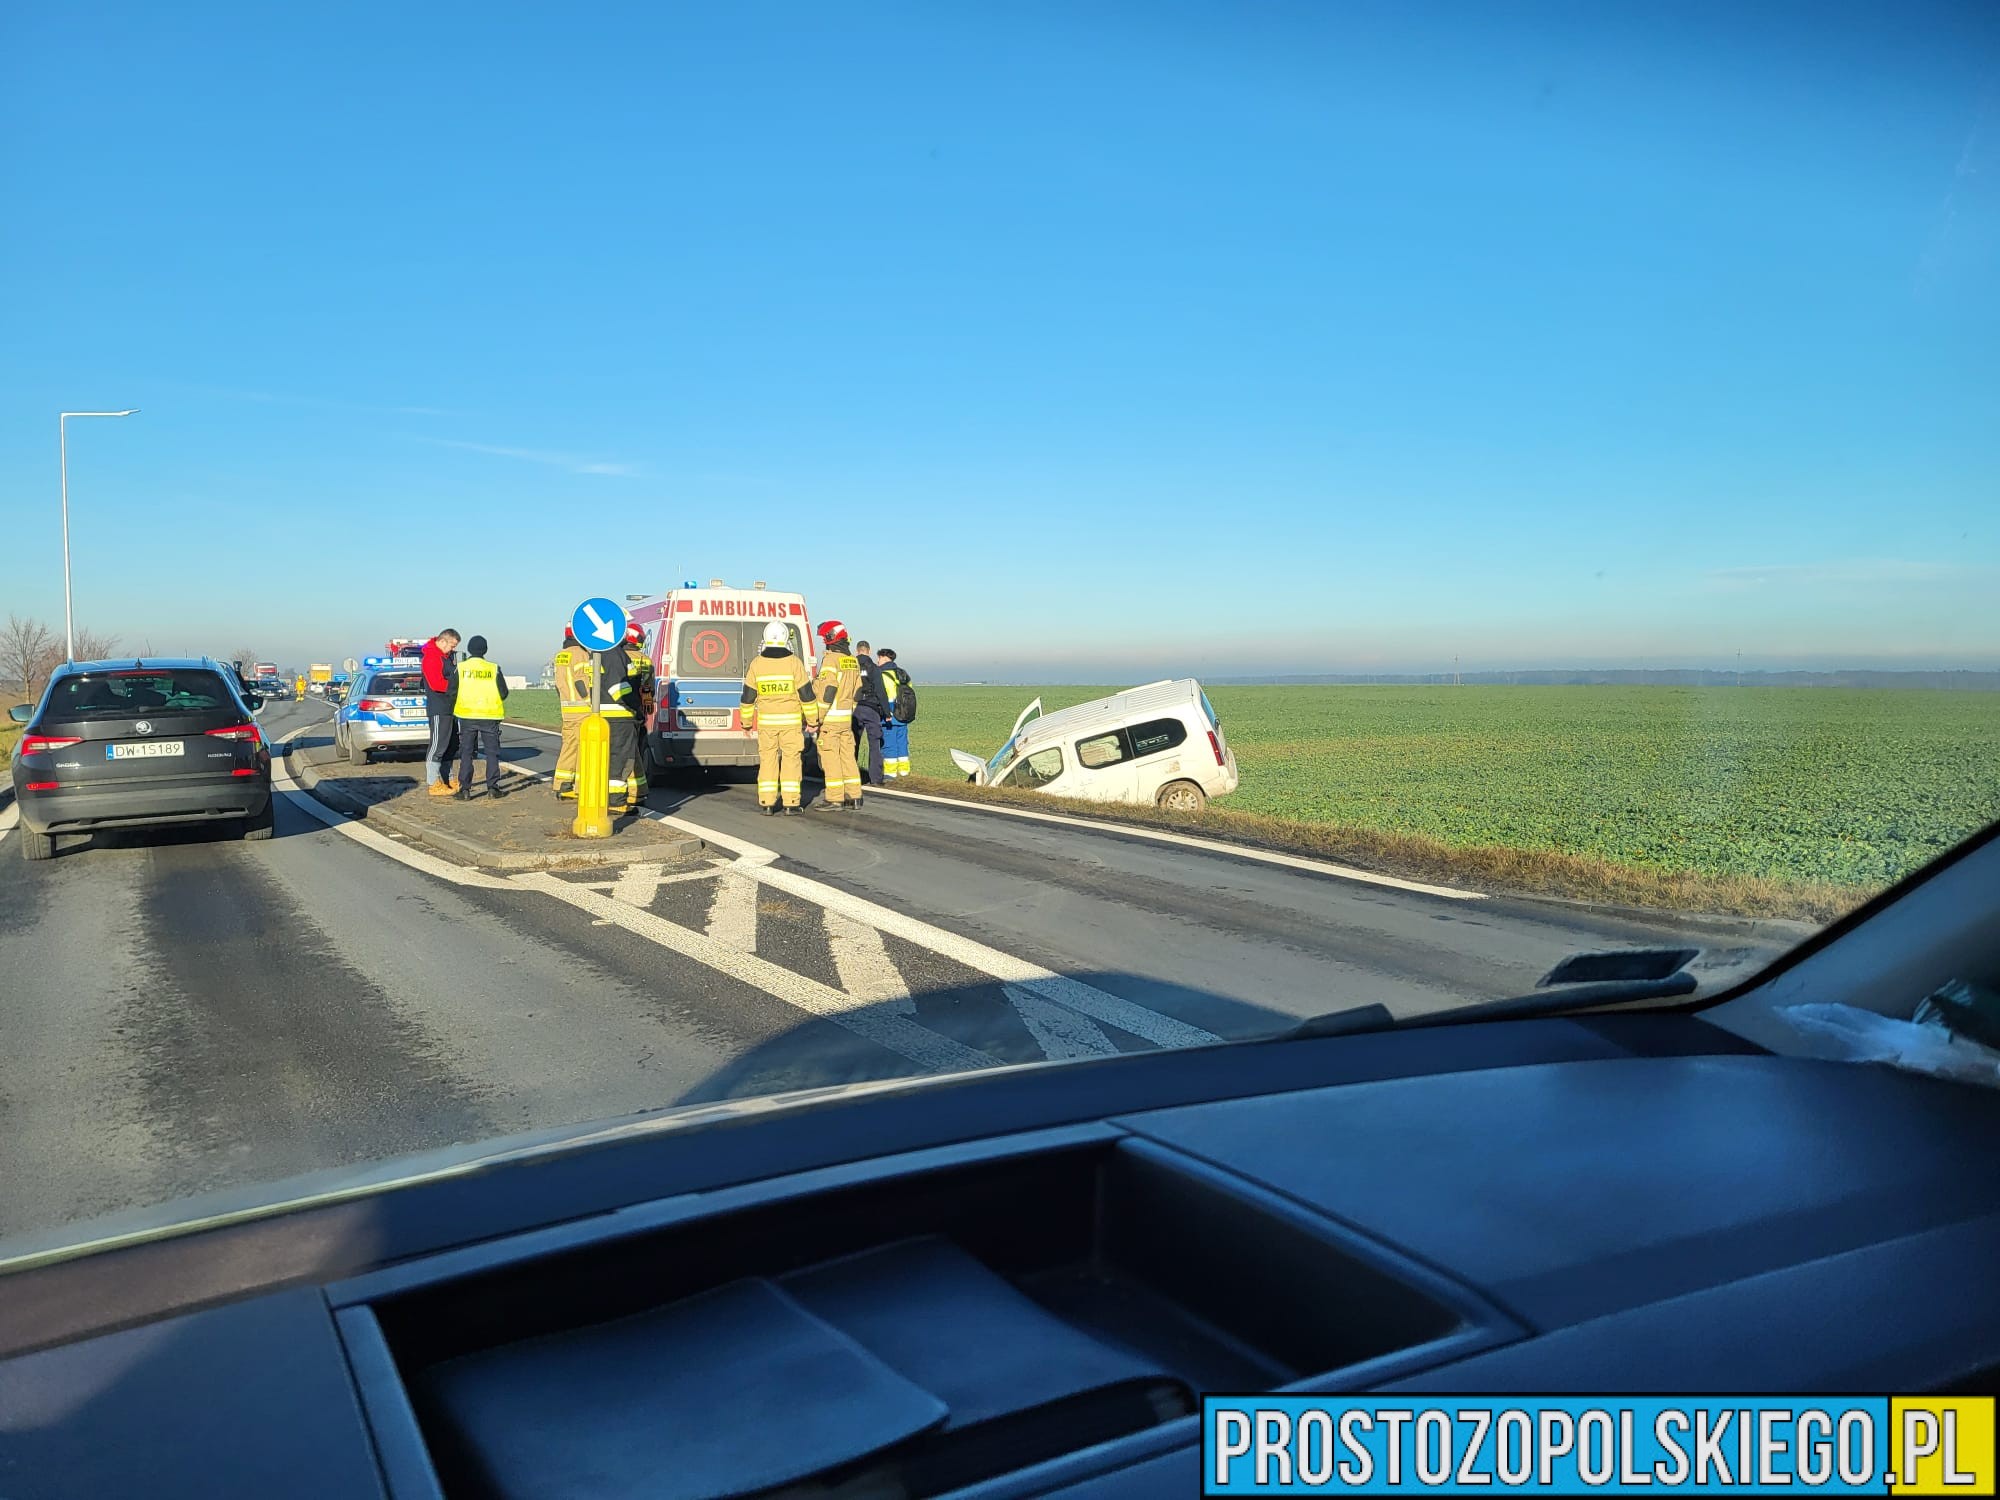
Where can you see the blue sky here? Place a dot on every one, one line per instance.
(1046, 339)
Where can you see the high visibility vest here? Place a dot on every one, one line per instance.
(777, 692)
(573, 687)
(479, 690)
(839, 680)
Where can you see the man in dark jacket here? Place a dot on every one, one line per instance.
(440, 694)
(870, 709)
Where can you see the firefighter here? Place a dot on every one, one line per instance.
(616, 699)
(838, 681)
(572, 673)
(642, 682)
(778, 703)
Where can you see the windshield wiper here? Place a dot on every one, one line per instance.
(1579, 982)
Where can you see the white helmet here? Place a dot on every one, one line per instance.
(775, 634)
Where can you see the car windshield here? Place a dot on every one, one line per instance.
(1467, 485)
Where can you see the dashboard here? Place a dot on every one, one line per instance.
(1023, 1284)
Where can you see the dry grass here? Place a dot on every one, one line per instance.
(1535, 872)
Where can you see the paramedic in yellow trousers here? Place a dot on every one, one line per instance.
(572, 673)
(778, 703)
(838, 681)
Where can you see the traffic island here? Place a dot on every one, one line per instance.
(525, 830)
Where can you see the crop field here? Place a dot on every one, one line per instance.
(1843, 788)
(1786, 801)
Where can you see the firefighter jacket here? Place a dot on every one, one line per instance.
(777, 690)
(838, 681)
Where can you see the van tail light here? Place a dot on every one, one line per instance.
(33, 743)
(246, 732)
(1215, 744)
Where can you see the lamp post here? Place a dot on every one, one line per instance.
(62, 442)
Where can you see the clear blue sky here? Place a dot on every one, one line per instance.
(1038, 339)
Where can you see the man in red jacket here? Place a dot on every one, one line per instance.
(440, 696)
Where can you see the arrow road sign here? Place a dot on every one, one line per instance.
(598, 624)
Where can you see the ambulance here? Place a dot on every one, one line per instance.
(701, 640)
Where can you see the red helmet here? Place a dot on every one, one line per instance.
(635, 633)
(831, 630)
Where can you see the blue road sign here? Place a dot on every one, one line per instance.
(598, 624)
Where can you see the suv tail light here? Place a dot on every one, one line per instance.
(1215, 745)
(248, 732)
(32, 743)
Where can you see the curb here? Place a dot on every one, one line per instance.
(470, 851)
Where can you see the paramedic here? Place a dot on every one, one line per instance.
(778, 703)
(900, 696)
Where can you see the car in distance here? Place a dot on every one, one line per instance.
(139, 744)
(384, 710)
(1160, 744)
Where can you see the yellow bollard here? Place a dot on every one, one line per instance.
(593, 778)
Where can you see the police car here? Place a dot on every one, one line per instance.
(383, 709)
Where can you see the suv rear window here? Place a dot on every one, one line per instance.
(102, 695)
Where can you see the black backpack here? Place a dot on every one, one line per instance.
(905, 706)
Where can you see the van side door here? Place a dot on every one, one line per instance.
(1103, 769)
(1160, 754)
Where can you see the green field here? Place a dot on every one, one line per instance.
(1793, 786)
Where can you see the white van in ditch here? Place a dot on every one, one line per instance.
(1160, 744)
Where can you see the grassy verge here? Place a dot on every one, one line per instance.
(537, 706)
(1497, 868)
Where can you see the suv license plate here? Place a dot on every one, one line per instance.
(144, 750)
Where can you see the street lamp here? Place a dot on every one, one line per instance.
(62, 441)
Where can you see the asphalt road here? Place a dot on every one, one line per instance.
(186, 1014)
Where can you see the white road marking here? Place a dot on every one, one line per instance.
(1112, 1010)
(296, 796)
(9, 816)
(900, 1035)
(532, 728)
(862, 961)
(1059, 1033)
(1190, 841)
(732, 913)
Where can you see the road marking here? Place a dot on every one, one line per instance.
(533, 728)
(732, 914)
(1161, 1030)
(9, 816)
(297, 796)
(862, 961)
(1059, 1033)
(1190, 841)
(886, 1029)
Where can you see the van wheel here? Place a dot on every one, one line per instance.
(36, 845)
(1181, 797)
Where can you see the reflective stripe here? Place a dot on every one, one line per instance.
(790, 786)
(771, 718)
(839, 713)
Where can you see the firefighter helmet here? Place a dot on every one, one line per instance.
(831, 630)
(775, 634)
(635, 634)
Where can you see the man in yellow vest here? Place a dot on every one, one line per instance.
(572, 673)
(778, 703)
(479, 708)
(838, 681)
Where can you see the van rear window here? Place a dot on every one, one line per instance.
(1156, 735)
(723, 648)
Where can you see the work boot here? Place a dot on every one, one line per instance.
(494, 793)
(792, 812)
(461, 795)
(770, 809)
(439, 789)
